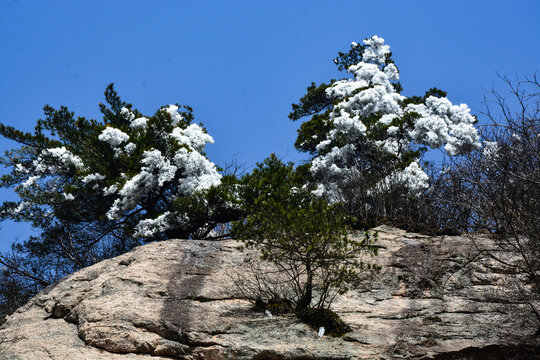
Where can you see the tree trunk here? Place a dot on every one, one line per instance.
(305, 300)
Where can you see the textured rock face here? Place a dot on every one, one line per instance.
(177, 300)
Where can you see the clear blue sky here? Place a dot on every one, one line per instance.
(240, 64)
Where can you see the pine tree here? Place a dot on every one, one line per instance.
(95, 189)
(364, 135)
(305, 237)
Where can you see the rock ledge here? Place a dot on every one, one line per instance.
(176, 300)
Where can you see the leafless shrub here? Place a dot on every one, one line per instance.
(496, 190)
(19, 281)
(262, 281)
(434, 268)
(393, 202)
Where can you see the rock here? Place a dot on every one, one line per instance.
(177, 300)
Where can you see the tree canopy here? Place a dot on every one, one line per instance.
(364, 126)
(95, 189)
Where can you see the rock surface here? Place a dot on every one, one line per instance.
(177, 300)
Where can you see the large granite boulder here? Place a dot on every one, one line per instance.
(177, 300)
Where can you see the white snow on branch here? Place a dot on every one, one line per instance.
(172, 110)
(332, 163)
(155, 172)
(113, 136)
(23, 205)
(198, 172)
(111, 190)
(442, 122)
(392, 72)
(127, 114)
(371, 95)
(413, 177)
(376, 50)
(192, 136)
(31, 181)
(130, 148)
(64, 156)
(139, 123)
(491, 149)
(150, 227)
(53, 161)
(92, 178)
(22, 169)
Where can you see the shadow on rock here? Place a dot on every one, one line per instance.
(189, 310)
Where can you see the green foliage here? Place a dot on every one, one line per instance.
(217, 205)
(314, 102)
(300, 233)
(311, 132)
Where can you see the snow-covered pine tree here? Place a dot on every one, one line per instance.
(362, 132)
(95, 189)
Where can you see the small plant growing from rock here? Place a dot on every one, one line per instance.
(305, 238)
(326, 319)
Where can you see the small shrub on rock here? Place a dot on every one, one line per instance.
(304, 240)
(326, 318)
(275, 306)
